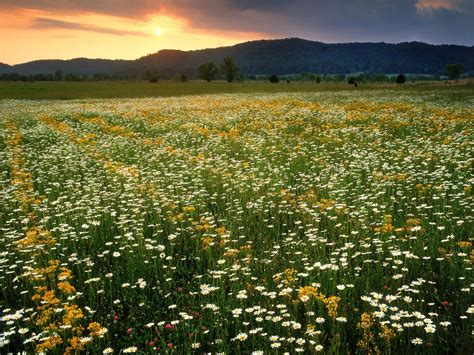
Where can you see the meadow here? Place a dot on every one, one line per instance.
(314, 222)
(64, 90)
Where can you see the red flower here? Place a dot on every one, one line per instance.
(170, 346)
(129, 330)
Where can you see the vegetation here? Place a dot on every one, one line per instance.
(229, 69)
(282, 57)
(454, 71)
(273, 79)
(352, 80)
(183, 78)
(208, 71)
(400, 79)
(330, 222)
(121, 89)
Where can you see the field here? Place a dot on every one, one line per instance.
(142, 89)
(331, 222)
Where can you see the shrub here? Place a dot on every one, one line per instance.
(274, 78)
(400, 79)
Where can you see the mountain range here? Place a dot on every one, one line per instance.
(281, 56)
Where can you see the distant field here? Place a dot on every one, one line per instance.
(124, 89)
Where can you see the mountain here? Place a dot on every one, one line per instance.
(5, 68)
(73, 66)
(282, 56)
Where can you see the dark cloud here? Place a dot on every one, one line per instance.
(47, 23)
(433, 21)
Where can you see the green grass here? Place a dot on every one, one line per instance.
(338, 221)
(132, 89)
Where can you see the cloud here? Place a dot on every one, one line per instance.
(48, 23)
(121, 8)
(438, 4)
(434, 21)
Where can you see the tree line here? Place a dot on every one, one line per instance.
(229, 71)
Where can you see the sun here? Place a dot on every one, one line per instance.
(158, 31)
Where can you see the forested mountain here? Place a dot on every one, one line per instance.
(283, 56)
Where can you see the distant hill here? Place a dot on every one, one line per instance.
(283, 56)
(5, 68)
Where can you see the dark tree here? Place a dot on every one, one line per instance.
(58, 75)
(274, 78)
(207, 71)
(229, 69)
(454, 71)
(148, 75)
(400, 79)
(351, 80)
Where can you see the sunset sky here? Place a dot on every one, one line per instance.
(128, 29)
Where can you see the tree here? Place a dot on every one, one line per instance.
(207, 71)
(400, 79)
(274, 78)
(313, 77)
(380, 78)
(148, 75)
(351, 80)
(58, 75)
(229, 69)
(454, 71)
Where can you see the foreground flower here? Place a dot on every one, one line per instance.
(241, 337)
(132, 349)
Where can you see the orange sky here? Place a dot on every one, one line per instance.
(129, 29)
(27, 35)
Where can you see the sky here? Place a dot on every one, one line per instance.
(129, 29)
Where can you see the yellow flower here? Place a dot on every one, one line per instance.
(49, 344)
(66, 287)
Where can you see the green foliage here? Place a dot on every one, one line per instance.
(454, 71)
(273, 79)
(208, 71)
(380, 78)
(400, 79)
(322, 223)
(229, 69)
(85, 88)
(147, 75)
(58, 75)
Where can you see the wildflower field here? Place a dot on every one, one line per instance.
(312, 222)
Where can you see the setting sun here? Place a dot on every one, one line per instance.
(158, 31)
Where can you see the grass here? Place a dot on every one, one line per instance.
(335, 222)
(131, 89)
